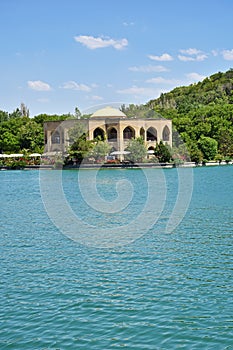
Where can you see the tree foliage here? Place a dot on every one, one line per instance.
(81, 148)
(204, 109)
(208, 146)
(137, 150)
(100, 150)
(162, 152)
(200, 112)
(20, 133)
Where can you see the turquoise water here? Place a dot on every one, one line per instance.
(162, 291)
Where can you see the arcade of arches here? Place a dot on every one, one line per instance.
(112, 125)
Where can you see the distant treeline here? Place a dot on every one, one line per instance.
(20, 133)
(202, 116)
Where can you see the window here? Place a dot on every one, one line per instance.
(99, 133)
(112, 134)
(55, 137)
(166, 133)
(128, 133)
(151, 134)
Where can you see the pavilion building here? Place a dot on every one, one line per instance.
(112, 125)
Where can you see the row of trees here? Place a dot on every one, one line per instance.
(206, 135)
(20, 133)
(202, 117)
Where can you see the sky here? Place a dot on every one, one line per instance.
(57, 55)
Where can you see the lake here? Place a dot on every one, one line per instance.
(127, 258)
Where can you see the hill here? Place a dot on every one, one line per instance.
(217, 89)
(202, 114)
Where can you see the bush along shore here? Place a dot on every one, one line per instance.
(53, 164)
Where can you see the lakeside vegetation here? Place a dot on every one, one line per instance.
(201, 113)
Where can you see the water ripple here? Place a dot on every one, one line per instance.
(162, 292)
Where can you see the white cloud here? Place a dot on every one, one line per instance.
(190, 51)
(185, 58)
(72, 85)
(192, 55)
(93, 43)
(195, 76)
(138, 91)
(228, 55)
(161, 80)
(163, 57)
(148, 69)
(198, 58)
(192, 77)
(96, 98)
(127, 24)
(38, 85)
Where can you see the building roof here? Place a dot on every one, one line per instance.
(108, 112)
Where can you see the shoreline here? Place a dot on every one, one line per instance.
(119, 166)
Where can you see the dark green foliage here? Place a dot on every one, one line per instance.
(208, 147)
(162, 153)
(81, 148)
(19, 133)
(202, 109)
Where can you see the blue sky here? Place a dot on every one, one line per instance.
(60, 54)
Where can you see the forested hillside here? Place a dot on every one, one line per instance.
(202, 113)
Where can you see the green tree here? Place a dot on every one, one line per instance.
(3, 116)
(100, 150)
(9, 143)
(137, 150)
(76, 132)
(9, 135)
(195, 154)
(31, 136)
(225, 140)
(77, 113)
(162, 153)
(208, 146)
(15, 114)
(81, 148)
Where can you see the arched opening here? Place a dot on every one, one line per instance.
(166, 133)
(150, 151)
(112, 134)
(151, 134)
(55, 137)
(142, 133)
(99, 133)
(128, 133)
